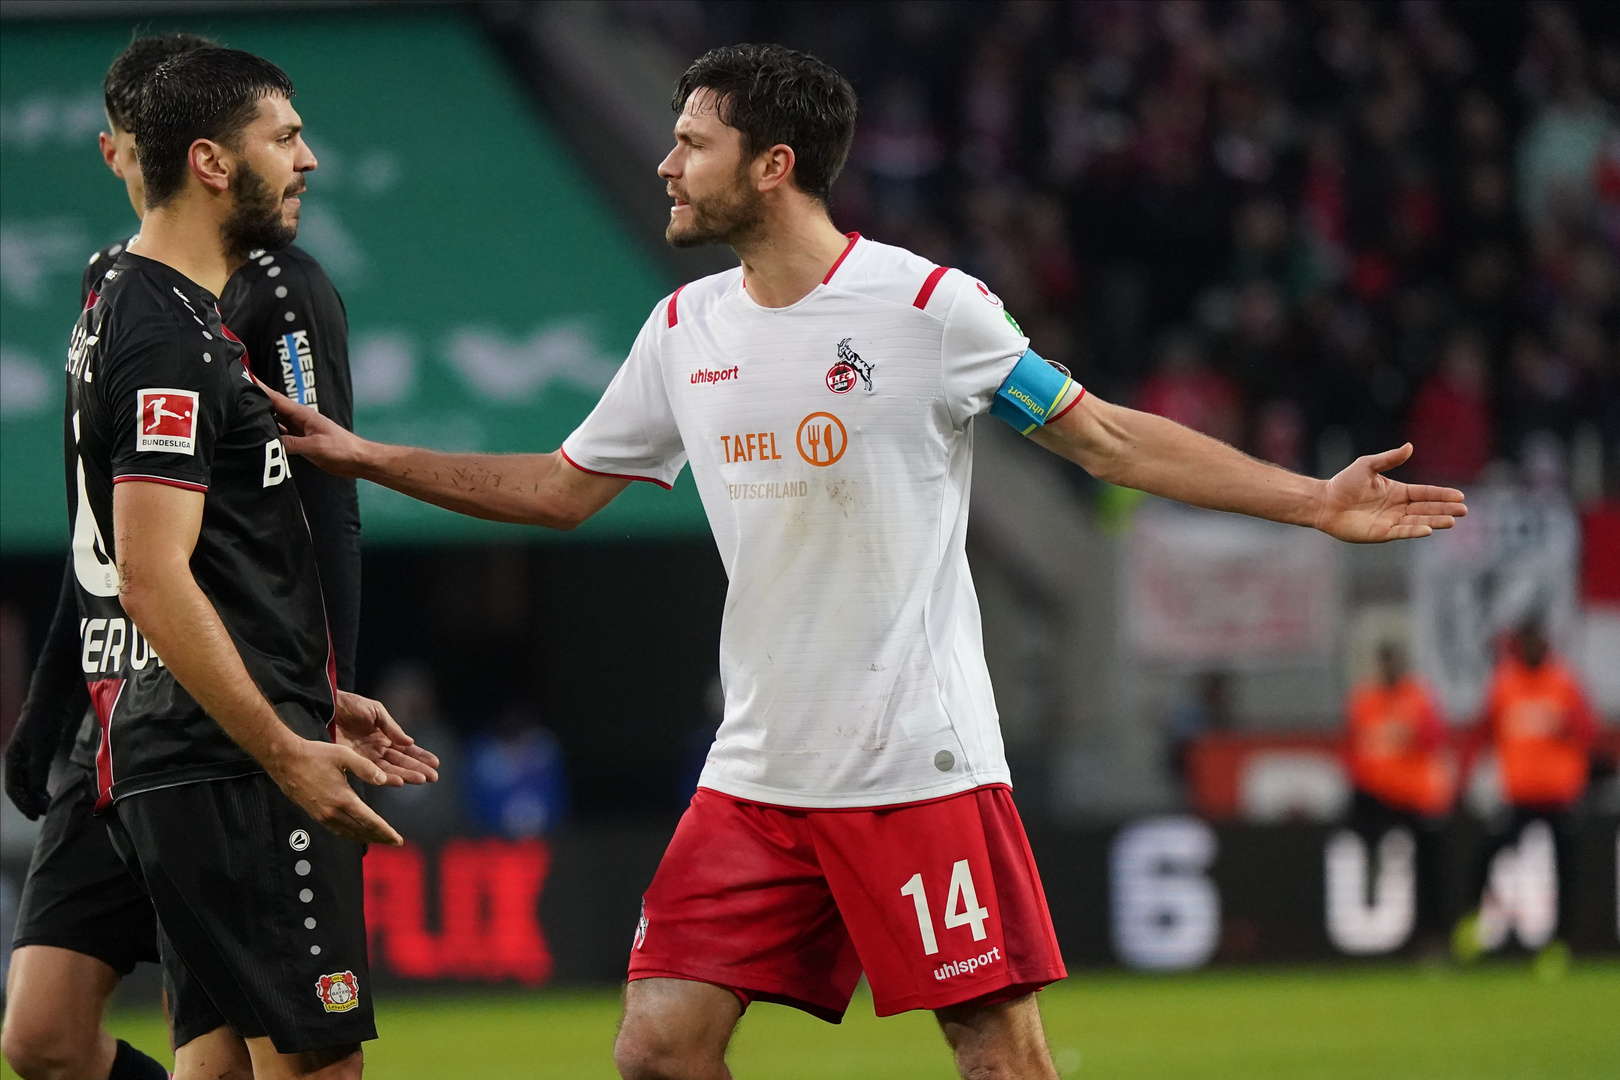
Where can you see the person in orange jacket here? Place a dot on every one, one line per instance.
(1538, 721)
(1400, 773)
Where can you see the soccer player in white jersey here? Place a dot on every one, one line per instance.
(855, 811)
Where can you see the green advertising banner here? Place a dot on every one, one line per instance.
(491, 293)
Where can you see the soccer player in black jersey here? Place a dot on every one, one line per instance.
(84, 921)
(214, 762)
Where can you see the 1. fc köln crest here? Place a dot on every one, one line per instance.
(842, 376)
(339, 992)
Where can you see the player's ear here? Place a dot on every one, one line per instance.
(212, 164)
(109, 153)
(776, 165)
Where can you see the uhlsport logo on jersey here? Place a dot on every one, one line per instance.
(166, 420)
(842, 375)
(822, 439)
(339, 992)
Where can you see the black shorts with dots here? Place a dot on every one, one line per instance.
(261, 913)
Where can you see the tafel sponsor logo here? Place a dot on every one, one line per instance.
(339, 992)
(822, 439)
(167, 420)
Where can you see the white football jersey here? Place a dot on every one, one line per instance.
(832, 445)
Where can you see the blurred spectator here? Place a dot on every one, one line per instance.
(1450, 425)
(1394, 743)
(1185, 389)
(424, 813)
(1538, 722)
(516, 784)
(1401, 776)
(1207, 712)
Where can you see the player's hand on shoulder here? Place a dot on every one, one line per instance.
(311, 774)
(366, 726)
(319, 438)
(1362, 506)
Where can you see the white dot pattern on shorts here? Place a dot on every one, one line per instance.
(301, 867)
(309, 923)
(281, 291)
(314, 950)
(289, 316)
(275, 271)
(306, 895)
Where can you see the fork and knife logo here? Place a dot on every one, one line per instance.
(822, 439)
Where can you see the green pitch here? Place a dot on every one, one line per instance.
(1497, 1022)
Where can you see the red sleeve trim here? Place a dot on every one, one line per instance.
(169, 480)
(616, 476)
(673, 318)
(1069, 406)
(926, 293)
(854, 236)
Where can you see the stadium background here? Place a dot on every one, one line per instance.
(1313, 230)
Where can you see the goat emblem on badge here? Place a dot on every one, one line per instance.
(339, 992)
(842, 375)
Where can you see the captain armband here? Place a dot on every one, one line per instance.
(1037, 392)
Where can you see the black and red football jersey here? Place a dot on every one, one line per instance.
(157, 391)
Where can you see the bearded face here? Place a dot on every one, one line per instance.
(260, 217)
(724, 215)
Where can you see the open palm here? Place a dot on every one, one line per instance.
(1362, 506)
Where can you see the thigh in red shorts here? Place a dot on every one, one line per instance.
(939, 903)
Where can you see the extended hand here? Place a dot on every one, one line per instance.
(1362, 506)
(323, 441)
(312, 775)
(365, 726)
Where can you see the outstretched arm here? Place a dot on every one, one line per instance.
(526, 489)
(1139, 450)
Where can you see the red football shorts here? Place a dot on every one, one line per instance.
(938, 902)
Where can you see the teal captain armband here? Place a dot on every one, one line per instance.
(1033, 393)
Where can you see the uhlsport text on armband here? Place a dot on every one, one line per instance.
(1037, 392)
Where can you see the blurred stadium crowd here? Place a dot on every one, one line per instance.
(1312, 229)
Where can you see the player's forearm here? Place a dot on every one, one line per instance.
(524, 489)
(1152, 454)
(185, 631)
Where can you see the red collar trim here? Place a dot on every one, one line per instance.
(854, 236)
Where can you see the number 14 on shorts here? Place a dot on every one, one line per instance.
(961, 906)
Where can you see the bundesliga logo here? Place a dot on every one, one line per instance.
(168, 420)
(842, 375)
(339, 992)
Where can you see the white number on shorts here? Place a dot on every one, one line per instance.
(961, 906)
(970, 913)
(925, 921)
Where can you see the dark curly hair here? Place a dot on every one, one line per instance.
(772, 95)
(121, 90)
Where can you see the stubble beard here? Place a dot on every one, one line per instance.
(725, 218)
(255, 221)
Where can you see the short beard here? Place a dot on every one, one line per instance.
(255, 221)
(725, 218)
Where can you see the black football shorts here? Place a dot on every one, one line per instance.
(261, 911)
(79, 895)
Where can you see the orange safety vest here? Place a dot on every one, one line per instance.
(1543, 731)
(1395, 746)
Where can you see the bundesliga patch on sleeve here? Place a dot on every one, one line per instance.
(166, 421)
